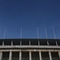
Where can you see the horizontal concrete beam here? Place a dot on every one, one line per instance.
(27, 50)
(27, 46)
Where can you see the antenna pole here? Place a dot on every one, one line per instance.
(4, 33)
(37, 33)
(46, 33)
(54, 33)
(21, 33)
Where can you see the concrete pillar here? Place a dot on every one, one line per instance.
(0, 55)
(30, 57)
(10, 55)
(20, 55)
(50, 55)
(29, 42)
(40, 56)
(59, 54)
(11, 42)
(20, 42)
(3, 43)
(47, 43)
(56, 43)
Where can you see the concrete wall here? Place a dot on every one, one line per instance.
(30, 50)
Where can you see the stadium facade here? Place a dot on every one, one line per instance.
(29, 49)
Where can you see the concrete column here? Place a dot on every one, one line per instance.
(47, 43)
(0, 55)
(11, 42)
(29, 42)
(38, 43)
(30, 57)
(20, 42)
(10, 55)
(40, 56)
(50, 55)
(56, 43)
(3, 43)
(59, 54)
(20, 55)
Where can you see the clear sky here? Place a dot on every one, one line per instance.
(29, 14)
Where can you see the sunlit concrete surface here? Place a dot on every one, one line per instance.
(29, 49)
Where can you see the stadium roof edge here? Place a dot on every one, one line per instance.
(28, 39)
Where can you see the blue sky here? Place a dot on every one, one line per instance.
(29, 14)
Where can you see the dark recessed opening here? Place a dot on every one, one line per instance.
(43, 42)
(55, 55)
(15, 55)
(0, 42)
(25, 42)
(35, 55)
(34, 42)
(45, 55)
(52, 42)
(7, 42)
(58, 42)
(16, 42)
(5, 56)
(25, 55)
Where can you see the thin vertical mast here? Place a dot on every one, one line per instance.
(54, 33)
(4, 33)
(21, 32)
(37, 33)
(46, 33)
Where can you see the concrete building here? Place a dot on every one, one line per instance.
(29, 49)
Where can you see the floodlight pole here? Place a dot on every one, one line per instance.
(4, 33)
(46, 33)
(37, 33)
(21, 32)
(54, 33)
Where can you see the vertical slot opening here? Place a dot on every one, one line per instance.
(35, 55)
(15, 55)
(5, 56)
(45, 55)
(25, 55)
(55, 55)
